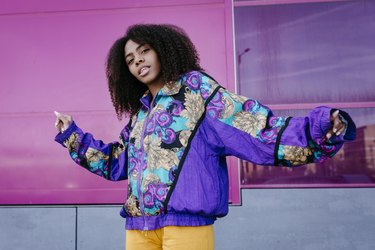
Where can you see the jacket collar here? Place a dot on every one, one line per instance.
(169, 89)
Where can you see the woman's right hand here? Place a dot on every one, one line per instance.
(62, 121)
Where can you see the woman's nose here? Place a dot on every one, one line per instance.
(140, 60)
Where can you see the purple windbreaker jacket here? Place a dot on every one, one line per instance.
(173, 151)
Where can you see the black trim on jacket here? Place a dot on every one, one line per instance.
(187, 149)
(275, 154)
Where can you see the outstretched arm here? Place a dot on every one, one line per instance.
(245, 128)
(106, 160)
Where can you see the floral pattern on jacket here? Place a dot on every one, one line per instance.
(159, 138)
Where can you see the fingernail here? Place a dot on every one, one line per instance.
(338, 133)
(334, 130)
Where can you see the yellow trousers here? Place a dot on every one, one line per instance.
(171, 238)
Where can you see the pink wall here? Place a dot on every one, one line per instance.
(52, 58)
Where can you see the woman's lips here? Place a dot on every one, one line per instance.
(143, 71)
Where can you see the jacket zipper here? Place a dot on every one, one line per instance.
(140, 176)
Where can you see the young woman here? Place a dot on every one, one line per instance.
(182, 126)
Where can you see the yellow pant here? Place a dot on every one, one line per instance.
(171, 238)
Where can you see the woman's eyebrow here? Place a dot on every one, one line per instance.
(139, 46)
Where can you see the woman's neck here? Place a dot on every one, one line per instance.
(154, 89)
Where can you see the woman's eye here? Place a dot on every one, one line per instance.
(145, 50)
(130, 61)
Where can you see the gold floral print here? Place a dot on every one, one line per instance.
(159, 157)
(72, 142)
(136, 133)
(229, 107)
(249, 123)
(94, 155)
(184, 137)
(157, 212)
(134, 119)
(194, 108)
(131, 206)
(172, 88)
(296, 155)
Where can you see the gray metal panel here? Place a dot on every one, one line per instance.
(283, 219)
(304, 219)
(100, 227)
(37, 228)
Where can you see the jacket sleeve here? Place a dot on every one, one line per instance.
(106, 160)
(245, 128)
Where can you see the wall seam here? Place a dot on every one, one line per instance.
(76, 229)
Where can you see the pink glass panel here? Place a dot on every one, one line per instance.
(52, 58)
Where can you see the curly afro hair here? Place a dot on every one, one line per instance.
(177, 55)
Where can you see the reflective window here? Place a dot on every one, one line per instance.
(293, 56)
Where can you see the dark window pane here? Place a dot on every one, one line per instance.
(307, 53)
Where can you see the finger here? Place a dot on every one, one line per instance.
(59, 115)
(59, 126)
(57, 122)
(64, 118)
(341, 129)
(329, 134)
(337, 124)
(335, 114)
(69, 118)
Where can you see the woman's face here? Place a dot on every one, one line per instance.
(143, 63)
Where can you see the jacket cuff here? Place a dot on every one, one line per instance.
(61, 137)
(320, 124)
(350, 133)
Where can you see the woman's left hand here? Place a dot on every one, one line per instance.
(338, 126)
